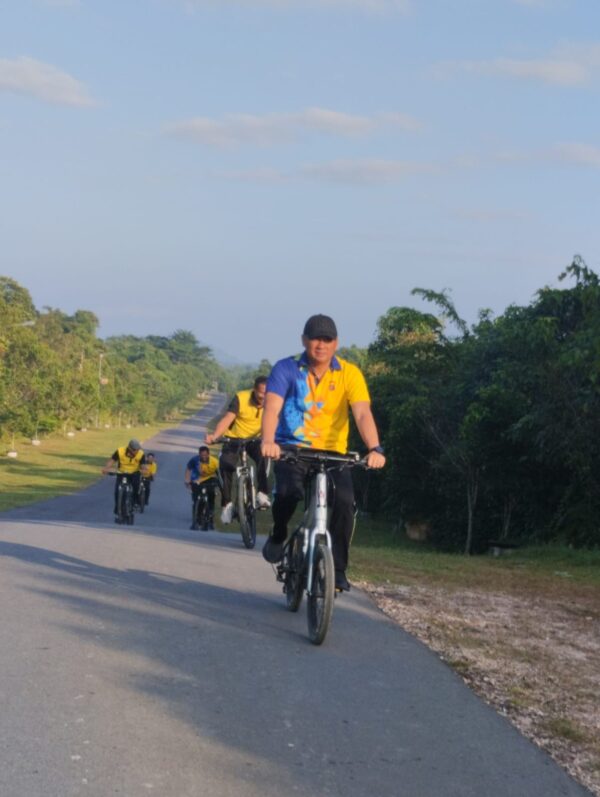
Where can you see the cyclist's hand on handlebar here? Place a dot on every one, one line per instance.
(188, 485)
(375, 460)
(209, 439)
(270, 450)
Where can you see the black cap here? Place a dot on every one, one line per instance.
(320, 326)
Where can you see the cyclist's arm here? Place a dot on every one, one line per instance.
(270, 419)
(110, 465)
(188, 477)
(365, 423)
(221, 427)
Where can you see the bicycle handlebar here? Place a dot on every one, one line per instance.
(350, 460)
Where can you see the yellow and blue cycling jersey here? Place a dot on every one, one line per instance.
(315, 413)
(202, 471)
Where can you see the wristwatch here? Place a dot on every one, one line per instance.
(377, 450)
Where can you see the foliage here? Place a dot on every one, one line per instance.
(493, 434)
(56, 373)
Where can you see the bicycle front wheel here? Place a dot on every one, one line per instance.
(128, 505)
(246, 512)
(293, 579)
(142, 498)
(319, 603)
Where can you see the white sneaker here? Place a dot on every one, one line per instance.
(262, 500)
(227, 513)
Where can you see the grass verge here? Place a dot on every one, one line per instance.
(63, 465)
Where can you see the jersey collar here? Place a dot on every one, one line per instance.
(333, 366)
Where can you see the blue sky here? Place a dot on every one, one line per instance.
(232, 167)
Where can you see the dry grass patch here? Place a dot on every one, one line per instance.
(536, 659)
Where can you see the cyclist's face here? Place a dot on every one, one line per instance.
(320, 350)
(259, 394)
(203, 456)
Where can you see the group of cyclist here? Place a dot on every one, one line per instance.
(139, 467)
(305, 402)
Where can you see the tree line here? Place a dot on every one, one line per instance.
(56, 373)
(492, 432)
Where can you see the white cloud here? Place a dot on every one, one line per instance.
(369, 171)
(569, 65)
(576, 153)
(61, 3)
(581, 154)
(402, 6)
(239, 129)
(44, 81)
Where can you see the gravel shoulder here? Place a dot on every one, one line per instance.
(535, 658)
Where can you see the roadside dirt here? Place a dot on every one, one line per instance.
(535, 659)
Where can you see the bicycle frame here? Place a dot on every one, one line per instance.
(315, 525)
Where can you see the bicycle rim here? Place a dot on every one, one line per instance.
(319, 604)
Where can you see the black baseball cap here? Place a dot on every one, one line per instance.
(320, 326)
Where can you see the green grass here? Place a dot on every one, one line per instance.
(62, 465)
(382, 555)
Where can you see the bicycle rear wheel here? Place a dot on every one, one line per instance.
(247, 512)
(319, 603)
(294, 578)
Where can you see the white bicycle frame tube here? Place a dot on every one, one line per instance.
(241, 471)
(317, 522)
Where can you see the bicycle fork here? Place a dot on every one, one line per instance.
(318, 526)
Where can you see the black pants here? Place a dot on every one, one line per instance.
(228, 463)
(211, 485)
(290, 487)
(134, 479)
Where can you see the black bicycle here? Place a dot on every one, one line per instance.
(125, 511)
(202, 515)
(140, 504)
(307, 563)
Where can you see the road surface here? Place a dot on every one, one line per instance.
(156, 660)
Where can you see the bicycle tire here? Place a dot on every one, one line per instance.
(128, 501)
(294, 577)
(202, 513)
(121, 517)
(246, 513)
(142, 498)
(319, 604)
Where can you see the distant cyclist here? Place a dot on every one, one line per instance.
(202, 470)
(307, 405)
(130, 461)
(242, 420)
(149, 475)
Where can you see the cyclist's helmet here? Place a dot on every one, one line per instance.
(134, 445)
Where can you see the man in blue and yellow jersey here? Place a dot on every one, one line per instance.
(203, 469)
(241, 421)
(129, 460)
(307, 405)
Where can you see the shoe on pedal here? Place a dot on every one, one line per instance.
(272, 551)
(341, 582)
(227, 514)
(262, 501)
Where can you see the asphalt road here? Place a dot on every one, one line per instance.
(155, 660)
